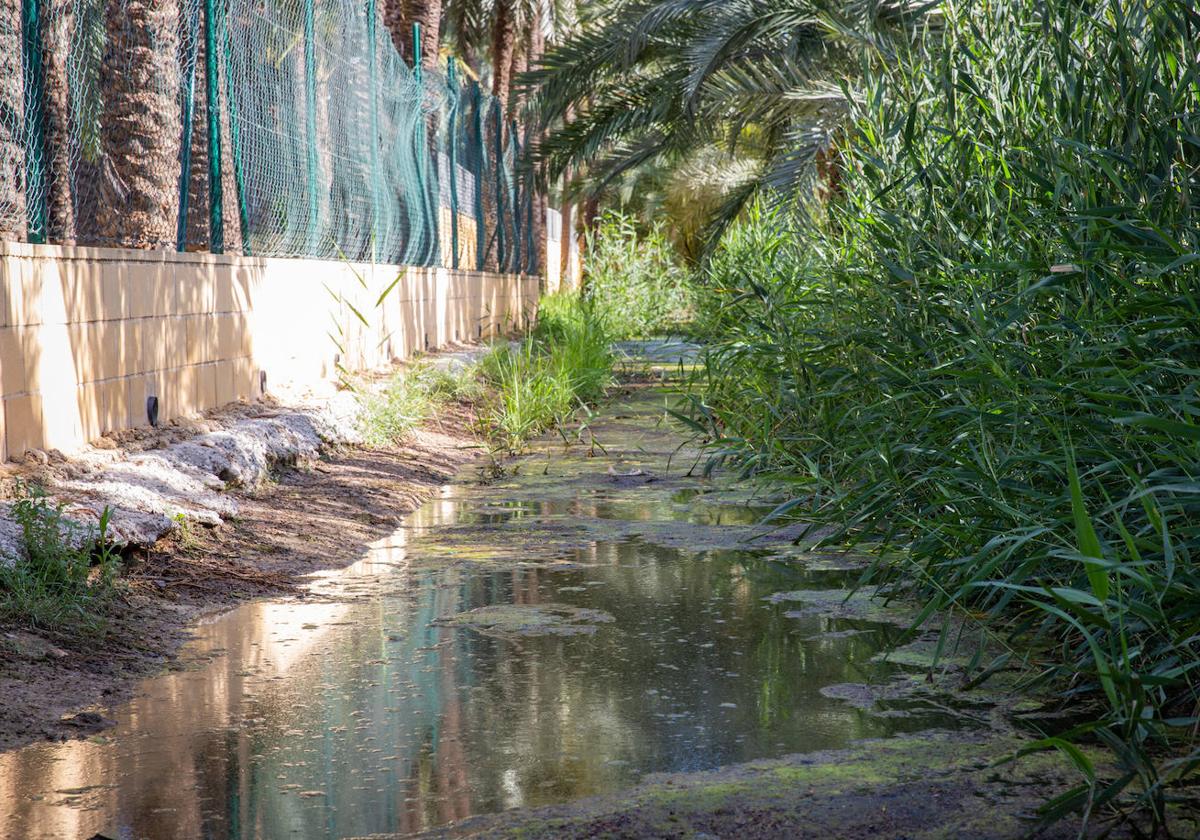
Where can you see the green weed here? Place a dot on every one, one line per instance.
(65, 579)
(409, 398)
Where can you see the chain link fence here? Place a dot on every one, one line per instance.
(265, 127)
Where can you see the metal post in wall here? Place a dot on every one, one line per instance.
(481, 242)
(373, 140)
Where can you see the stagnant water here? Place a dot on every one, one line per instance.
(353, 712)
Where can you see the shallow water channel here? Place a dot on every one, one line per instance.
(374, 705)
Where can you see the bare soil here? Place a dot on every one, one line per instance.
(305, 520)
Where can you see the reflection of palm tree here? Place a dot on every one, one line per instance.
(452, 761)
(12, 117)
(139, 124)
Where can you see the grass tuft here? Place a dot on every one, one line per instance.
(564, 364)
(411, 397)
(65, 578)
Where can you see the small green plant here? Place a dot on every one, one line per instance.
(65, 578)
(187, 535)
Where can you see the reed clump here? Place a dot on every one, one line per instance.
(985, 348)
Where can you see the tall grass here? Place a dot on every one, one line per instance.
(565, 363)
(987, 349)
(633, 277)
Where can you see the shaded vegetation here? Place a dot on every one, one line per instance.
(633, 281)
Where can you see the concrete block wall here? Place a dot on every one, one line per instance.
(87, 335)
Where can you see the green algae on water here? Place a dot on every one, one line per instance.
(529, 620)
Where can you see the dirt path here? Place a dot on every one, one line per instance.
(305, 520)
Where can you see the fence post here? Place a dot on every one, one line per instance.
(419, 148)
(532, 207)
(373, 140)
(481, 243)
(35, 130)
(185, 154)
(235, 137)
(216, 220)
(501, 251)
(452, 131)
(514, 143)
(310, 123)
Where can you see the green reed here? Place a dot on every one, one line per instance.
(986, 349)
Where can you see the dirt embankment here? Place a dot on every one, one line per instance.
(302, 518)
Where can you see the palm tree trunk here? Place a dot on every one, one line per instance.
(12, 150)
(487, 183)
(139, 124)
(518, 64)
(591, 220)
(516, 234)
(198, 192)
(57, 29)
(504, 37)
(428, 13)
(568, 222)
(393, 18)
(504, 42)
(829, 172)
(541, 202)
(567, 235)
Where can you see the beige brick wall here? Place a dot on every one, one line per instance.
(88, 334)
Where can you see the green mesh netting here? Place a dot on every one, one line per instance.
(269, 127)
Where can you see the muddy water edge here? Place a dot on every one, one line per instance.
(593, 640)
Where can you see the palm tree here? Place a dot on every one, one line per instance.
(512, 34)
(139, 125)
(661, 79)
(198, 211)
(12, 117)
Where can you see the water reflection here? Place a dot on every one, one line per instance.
(350, 712)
